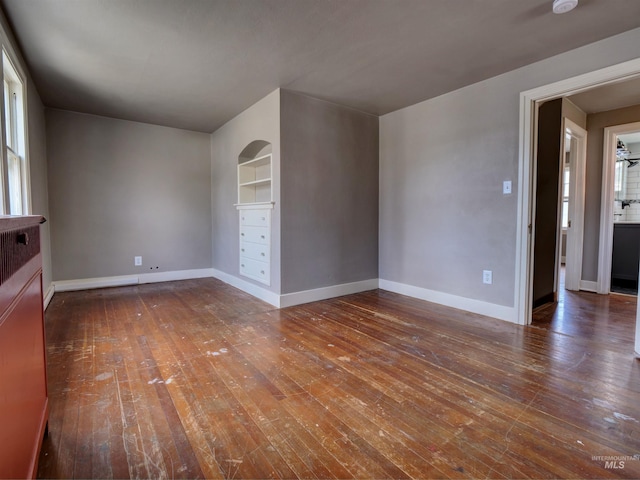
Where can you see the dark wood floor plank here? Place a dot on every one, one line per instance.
(195, 379)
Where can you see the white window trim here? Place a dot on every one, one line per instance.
(21, 137)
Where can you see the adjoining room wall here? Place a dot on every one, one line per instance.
(329, 184)
(596, 123)
(261, 121)
(120, 189)
(443, 216)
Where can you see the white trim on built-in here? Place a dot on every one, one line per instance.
(316, 294)
(124, 280)
(248, 287)
(470, 305)
(605, 252)
(529, 101)
(296, 298)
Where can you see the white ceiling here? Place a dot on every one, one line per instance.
(195, 64)
(630, 138)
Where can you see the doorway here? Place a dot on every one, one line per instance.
(559, 201)
(572, 203)
(607, 215)
(529, 104)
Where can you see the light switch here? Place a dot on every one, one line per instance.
(506, 187)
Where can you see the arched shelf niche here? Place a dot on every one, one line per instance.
(254, 206)
(255, 173)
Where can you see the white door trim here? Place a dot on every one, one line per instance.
(529, 101)
(575, 233)
(605, 250)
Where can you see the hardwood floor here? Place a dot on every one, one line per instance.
(195, 379)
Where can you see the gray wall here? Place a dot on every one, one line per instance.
(38, 176)
(329, 194)
(36, 147)
(443, 218)
(119, 189)
(259, 122)
(596, 123)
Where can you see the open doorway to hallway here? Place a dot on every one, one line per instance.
(530, 102)
(609, 319)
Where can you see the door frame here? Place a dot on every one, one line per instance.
(577, 177)
(605, 250)
(529, 103)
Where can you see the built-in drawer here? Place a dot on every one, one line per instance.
(258, 218)
(254, 234)
(256, 251)
(255, 269)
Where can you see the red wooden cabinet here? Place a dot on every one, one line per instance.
(23, 380)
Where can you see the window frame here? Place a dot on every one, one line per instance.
(13, 115)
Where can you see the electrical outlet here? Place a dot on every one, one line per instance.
(487, 277)
(137, 261)
(506, 187)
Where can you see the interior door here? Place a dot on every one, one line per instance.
(546, 209)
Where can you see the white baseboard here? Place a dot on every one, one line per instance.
(48, 295)
(589, 286)
(123, 280)
(248, 287)
(501, 312)
(306, 296)
(175, 275)
(295, 298)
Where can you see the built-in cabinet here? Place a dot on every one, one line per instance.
(626, 255)
(24, 406)
(254, 208)
(255, 243)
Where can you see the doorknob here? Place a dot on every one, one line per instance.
(569, 224)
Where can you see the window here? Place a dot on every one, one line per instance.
(565, 197)
(13, 171)
(619, 190)
(566, 176)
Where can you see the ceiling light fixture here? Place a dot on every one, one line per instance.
(564, 6)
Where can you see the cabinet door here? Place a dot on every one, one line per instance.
(23, 391)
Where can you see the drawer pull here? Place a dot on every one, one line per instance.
(262, 272)
(242, 234)
(242, 249)
(264, 218)
(242, 265)
(262, 237)
(262, 253)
